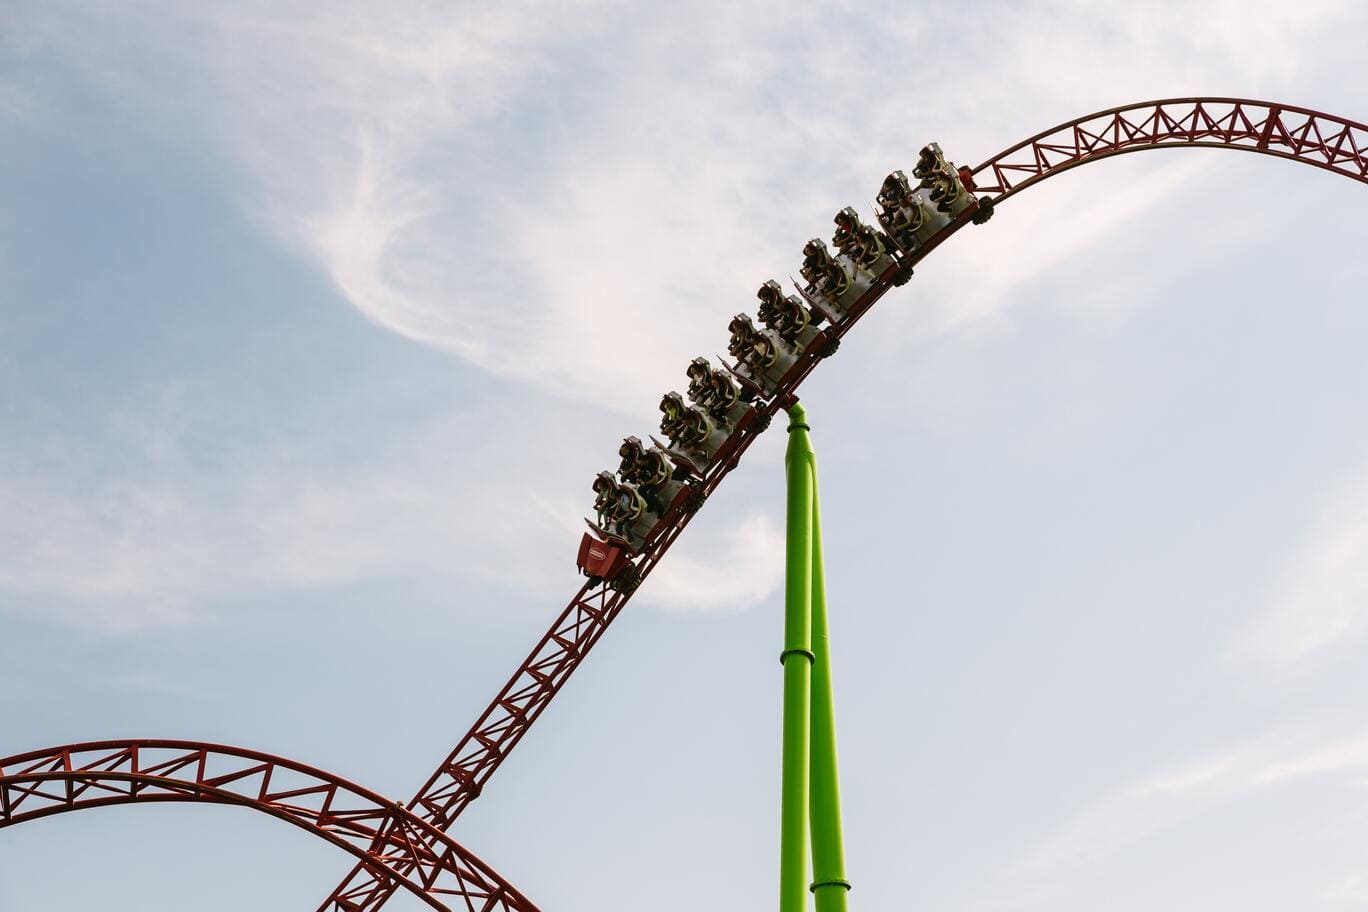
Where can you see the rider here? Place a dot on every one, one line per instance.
(856, 239)
(631, 451)
(605, 499)
(649, 470)
(847, 224)
(750, 346)
(628, 509)
(939, 177)
(681, 423)
(785, 315)
(895, 191)
(700, 382)
(930, 162)
(724, 392)
(903, 213)
(824, 274)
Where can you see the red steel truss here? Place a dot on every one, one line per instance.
(1283, 130)
(397, 848)
(1286, 131)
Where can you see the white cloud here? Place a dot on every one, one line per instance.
(143, 530)
(736, 568)
(1321, 601)
(578, 196)
(122, 553)
(1162, 801)
(127, 553)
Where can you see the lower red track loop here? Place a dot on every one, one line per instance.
(397, 848)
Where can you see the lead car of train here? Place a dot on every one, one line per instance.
(656, 485)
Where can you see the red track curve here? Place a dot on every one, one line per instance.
(397, 848)
(1286, 131)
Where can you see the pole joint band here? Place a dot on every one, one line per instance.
(830, 883)
(798, 427)
(783, 656)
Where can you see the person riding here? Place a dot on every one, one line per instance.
(872, 246)
(895, 191)
(605, 499)
(750, 346)
(672, 415)
(930, 162)
(847, 224)
(649, 470)
(629, 507)
(653, 470)
(903, 212)
(938, 176)
(946, 191)
(823, 273)
(700, 382)
(785, 315)
(684, 426)
(724, 393)
(631, 452)
(857, 240)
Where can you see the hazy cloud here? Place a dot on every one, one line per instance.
(1322, 599)
(589, 235)
(588, 240)
(1161, 801)
(735, 568)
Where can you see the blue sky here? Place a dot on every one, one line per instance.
(317, 321)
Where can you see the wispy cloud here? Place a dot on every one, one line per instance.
(1157, 803)
(578, 196)
(127, 553)
(735, 568)
(1321, 601)
(144, 530)
(130, 553)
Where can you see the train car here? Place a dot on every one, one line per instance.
(657, 482)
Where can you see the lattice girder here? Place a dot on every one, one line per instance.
(396, 847)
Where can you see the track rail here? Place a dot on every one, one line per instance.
(396, 847)
(1286, 131)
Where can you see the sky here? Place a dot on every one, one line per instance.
(317, 320)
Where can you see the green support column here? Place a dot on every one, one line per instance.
(797, 659)
(829, 883)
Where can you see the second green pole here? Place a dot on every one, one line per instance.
(797, 659)
(811, 800)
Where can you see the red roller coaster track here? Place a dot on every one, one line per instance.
(407, 847)
(1284, 131)
(397, 848)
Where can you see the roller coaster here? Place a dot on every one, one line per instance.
(642, 510)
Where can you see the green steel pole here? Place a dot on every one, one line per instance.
(829, 884)
(797, 660)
